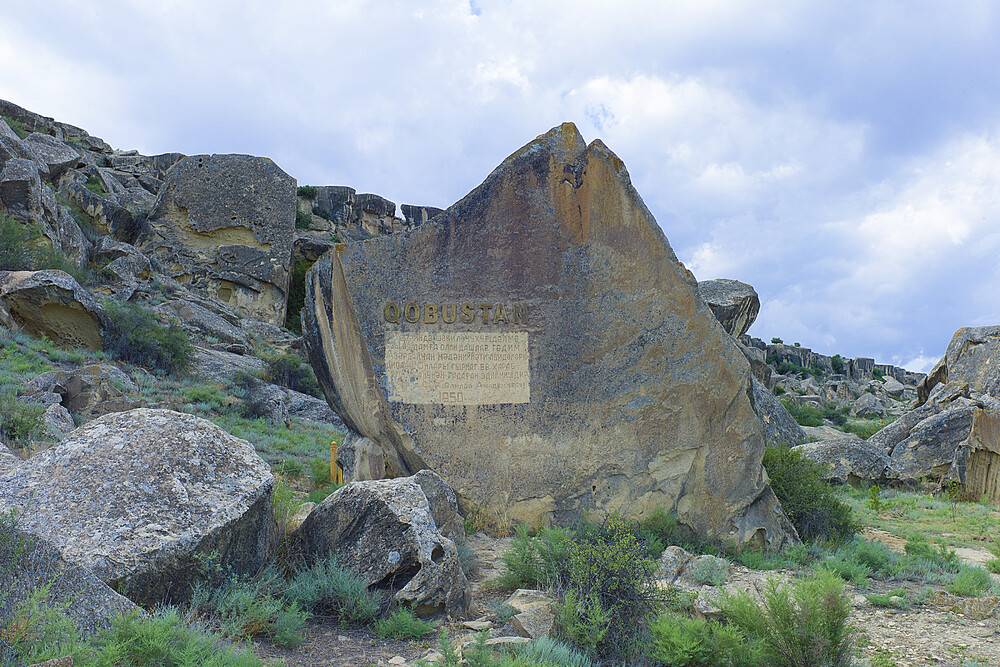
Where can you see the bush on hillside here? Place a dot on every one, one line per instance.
(19, 421)
(806, 414)
(803, 624)
(307, 191)
(808, 500)
(291, 370)
(23, 247)
(328, 589)
(296, 295)
(136, 336)
(680, 641)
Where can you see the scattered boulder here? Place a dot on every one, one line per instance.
(223, 225)
(893, 387)
(57, 421)
(53, 305)
(673, 560)
(220, 366)
(309, 407)
(28, 562)
(384, 530)
(140, 497)
(444, 505)
(610, 386)
(20, 188)
(849, 459)
(867, 406)
(929, 448)
(88, 391)
(972, 358)
(204, 321)
(734, 304)
(535, 615)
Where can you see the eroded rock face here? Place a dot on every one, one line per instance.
(89, 391)
(735, 304)
(52, 304)
(780, 428)
(972, 358)
(139, 497)
(612, 386)
(384, 531)
(224, 225)
(28, 563)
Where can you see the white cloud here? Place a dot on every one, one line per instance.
(820, 152)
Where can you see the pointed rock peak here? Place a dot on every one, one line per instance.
(563, 141)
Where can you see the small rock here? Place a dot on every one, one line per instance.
(536, 613)
(672, 562)
(478, 625)
(507, 641)
(397, 660)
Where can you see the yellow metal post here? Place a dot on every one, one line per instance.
(336, 471)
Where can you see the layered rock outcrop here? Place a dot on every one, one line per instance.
(142, 497)
(541, 347)
(223, 225)
(52, 304)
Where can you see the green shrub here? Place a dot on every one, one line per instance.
(777, 341)
(296, 295)
(136, 336)
(403, 624)
(285, 503)
(940, 555)
(680, 641)
(19, 421)
(897, 598)
(582, 621)
(538, 561)
(994, 566)
(328, 589)
(609, 566)
(971, 581)
(837, 362)
(322, 492)
(302, 219)
(804, 624)
(307, 191)
(865, 428)
(95, 185)
(291, 371)
(548, 652)
(23, 247)
(244, 608)
(806, 414)
(710, 570)
(808, 500)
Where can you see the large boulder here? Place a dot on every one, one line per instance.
(144, 498)
(849, 459)
(541, 347)
(929, 448)
(972, 358)
(734, 304)
(20, 188)
(29, 563)
(780, 428)
(977, 461)
(52, 304)
(385, 531)
(88, 391)
(224, 225)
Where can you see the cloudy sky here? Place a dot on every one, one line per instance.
(846, 161)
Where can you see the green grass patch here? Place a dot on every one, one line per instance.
(806, 414)
(971, 581)
(865, 428)
(402, 624)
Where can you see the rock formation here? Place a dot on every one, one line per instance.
(223, 225)
(385, 531)
(139, 497)
(52, 304)
(972, 358)
(735, 304)
(540, 346)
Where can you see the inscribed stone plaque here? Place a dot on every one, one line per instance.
(457, 368)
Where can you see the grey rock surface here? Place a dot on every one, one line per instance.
(224, 225)
(972, 358)
(28, 562)
(734, 303)
(140, 497)
(52, 155)
(384, 530)
(780, 428)
(849, 459)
